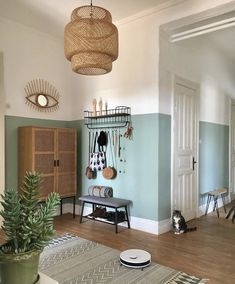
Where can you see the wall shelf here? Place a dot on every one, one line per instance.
(111, 118)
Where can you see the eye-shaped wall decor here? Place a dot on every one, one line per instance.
(41, 95)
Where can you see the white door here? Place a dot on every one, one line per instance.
(185, 144)
(2, 131)
(232, 159)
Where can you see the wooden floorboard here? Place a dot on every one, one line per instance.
(208, 252)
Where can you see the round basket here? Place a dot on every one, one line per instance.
(109, 173)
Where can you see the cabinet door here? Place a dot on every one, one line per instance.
(67, 169)
(44, 158)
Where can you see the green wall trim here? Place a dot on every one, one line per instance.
(213, 157)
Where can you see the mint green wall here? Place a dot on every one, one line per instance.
(147, 177)
(213, 156)
(149, 191)
(164, 167)
(11, 143)
(139, 183)
(140, 180)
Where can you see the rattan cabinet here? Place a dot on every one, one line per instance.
(51, 152)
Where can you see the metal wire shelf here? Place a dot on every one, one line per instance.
(111, 118)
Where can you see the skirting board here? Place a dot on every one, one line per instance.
(146, 225)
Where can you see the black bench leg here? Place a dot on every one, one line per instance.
(61, 206)
(127, 218)
(74, 207)
(93, 210)
(116, 220)
(82, 212)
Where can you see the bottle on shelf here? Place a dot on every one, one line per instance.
(94, 102)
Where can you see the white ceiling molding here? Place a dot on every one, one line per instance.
(148, 12)
(218, 13)
(203, 29)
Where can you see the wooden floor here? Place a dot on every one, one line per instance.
(208, 252)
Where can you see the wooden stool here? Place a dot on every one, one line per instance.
(215, 194)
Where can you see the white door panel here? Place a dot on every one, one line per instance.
(232, 171)
(185, 135)
(2, 131)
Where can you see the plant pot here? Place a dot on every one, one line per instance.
(19, 268)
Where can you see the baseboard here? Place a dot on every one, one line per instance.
(146, 225)
(164, 226)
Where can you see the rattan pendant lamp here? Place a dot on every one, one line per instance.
(91, 40)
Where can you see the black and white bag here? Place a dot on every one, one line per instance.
(97, 159)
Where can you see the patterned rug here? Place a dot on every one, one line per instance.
(73, 260)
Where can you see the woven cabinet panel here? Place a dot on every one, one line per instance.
(47, 186)
(44, 140)
(44, 163)
(66, 141)
(67, 184)
(67, 163)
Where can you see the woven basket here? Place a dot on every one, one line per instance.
(109, 173)
(91, 40)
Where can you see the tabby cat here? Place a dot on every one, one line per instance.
(179, 224)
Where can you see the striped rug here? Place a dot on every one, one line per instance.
(73, 260)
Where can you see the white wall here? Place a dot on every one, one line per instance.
(201, 61)
(134, 79)
(29, 54)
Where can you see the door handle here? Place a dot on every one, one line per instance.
(194, 162)
(56, 163)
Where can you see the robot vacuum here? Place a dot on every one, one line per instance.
(135, 258)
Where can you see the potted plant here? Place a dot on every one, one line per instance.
(28, 226)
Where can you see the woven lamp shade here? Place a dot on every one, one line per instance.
(91, 41)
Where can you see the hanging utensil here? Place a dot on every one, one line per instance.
(119, 144)
(109, 172)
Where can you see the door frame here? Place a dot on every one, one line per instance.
(2, 128)
(231, 195)
(176, 79)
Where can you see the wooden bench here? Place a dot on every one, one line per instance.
(215, 194)
(110, 202)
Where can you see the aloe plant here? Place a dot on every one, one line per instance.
(27, 222)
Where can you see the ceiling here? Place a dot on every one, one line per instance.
(52, 15)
